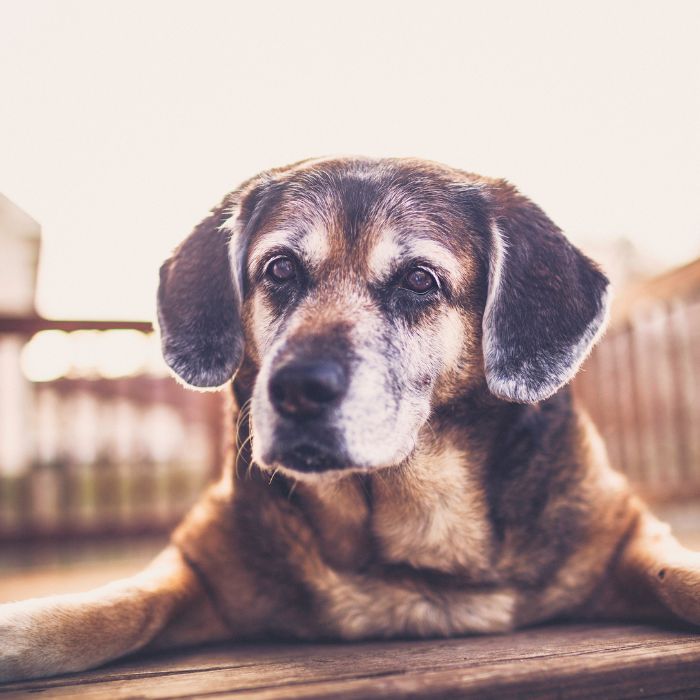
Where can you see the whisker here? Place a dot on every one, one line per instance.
(432, 430)
(240, 452)
(291, 490)
(249, 469)
(241, 419)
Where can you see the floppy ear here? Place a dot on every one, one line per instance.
(199, 307)
(546, 303)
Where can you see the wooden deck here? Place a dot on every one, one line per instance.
(567, 661)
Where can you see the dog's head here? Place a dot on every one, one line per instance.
(365, 292)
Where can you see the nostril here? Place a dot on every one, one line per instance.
(307, 388)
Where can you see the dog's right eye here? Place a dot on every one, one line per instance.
(280, 269)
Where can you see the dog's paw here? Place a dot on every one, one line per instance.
(678, 584)
(38, 638)
(21, 649)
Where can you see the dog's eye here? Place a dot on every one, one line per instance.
(280, 269)
(419, 280)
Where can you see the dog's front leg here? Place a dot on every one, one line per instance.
(59, 634)
(669, 571)
(653, 577)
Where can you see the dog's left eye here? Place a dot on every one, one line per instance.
(280, 269)
(419, 280)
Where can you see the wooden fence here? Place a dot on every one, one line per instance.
(99, 456)
(641, 386)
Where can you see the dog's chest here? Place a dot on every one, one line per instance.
(360, 606)
(381, 554)
(433, 515)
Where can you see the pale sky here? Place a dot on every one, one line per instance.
(121, 123)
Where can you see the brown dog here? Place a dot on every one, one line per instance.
(398, 333)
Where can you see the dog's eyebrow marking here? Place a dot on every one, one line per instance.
(389, 248)
(432, 251)
(271, 241)
(385, 251)
(313, 245)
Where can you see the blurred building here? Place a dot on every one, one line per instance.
(20, 237)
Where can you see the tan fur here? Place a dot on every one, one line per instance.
(432, 514)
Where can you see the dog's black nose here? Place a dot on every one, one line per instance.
(306, 389)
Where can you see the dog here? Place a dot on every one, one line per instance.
(409, 462)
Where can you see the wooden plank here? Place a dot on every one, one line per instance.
(690, 369)
(573, 661)
(645, 381)
(627, 405)
(686, 388)
(607, 395)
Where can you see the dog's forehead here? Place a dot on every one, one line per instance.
(366, 214)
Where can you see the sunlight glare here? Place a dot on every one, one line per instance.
(47, 356)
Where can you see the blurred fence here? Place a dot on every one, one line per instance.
(641, 386)
(98, 456)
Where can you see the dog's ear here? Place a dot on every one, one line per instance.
(199, 307)
(546, 302)
(201, 291)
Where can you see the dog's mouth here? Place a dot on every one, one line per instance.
(308, 457)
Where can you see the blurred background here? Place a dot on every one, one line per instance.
(121, 123)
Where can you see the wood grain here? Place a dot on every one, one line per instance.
(566, 661)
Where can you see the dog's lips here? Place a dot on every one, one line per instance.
(308, 457)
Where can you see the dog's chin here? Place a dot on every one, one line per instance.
(306, 461)
(307, 458)
(314, 454)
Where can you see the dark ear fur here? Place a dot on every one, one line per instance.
(546, 304)
(199, 308)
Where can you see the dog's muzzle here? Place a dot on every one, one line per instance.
(304, 393)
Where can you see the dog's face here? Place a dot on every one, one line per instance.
(364, 293)
(358, 306)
